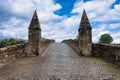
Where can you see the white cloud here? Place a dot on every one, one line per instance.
(98, 10)
(25, 8)
(16, 28)
(115, 25)
(60, 27)
(117, 7)
(98, 31)
(116, 37)
(58, 31)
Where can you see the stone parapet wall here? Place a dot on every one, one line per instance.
(108, 52)
(44, 44)
(10, 53)
(72, 43)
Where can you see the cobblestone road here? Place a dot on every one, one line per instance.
(59, 62)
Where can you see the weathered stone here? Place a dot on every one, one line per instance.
(85, 36)
(11, 53)
(4, 60)
(109, 52)
(28, 50)
(34, 36)
(59, 62)
(6, 56)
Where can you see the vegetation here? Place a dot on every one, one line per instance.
(105, 38)
(9, 42)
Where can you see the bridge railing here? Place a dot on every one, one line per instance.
(107, 51)
(10, 53)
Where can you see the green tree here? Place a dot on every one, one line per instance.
(11, 41)
(105, 38)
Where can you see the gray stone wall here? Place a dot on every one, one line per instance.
(108, 52)
(45, 44)
(10, 53)
(73, 44)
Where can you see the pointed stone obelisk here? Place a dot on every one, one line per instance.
(85, 36)
(34, 36)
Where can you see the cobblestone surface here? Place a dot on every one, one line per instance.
(59, 62)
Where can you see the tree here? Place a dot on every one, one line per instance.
(11, 41)
(105, 38)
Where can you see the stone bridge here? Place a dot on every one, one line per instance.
(59, 62)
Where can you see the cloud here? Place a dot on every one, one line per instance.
(59, 31)
(98, 31)
(98, 10)
(16, 28)
(20, 13)
(114, 25)
(25, 8)
(103, 16)
(116, 37)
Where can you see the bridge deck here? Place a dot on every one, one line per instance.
(59, 62)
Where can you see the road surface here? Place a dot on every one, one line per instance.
(59, 62)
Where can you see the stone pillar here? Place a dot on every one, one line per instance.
(85, 36)
(34, 36)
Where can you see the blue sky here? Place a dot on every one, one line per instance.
(59, 19)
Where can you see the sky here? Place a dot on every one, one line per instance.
(59, 19)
